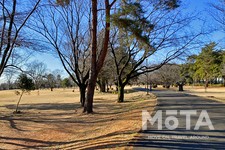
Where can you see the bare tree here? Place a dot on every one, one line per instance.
(9, 74)
(101, 20)
(51, 81)
(168, 75)
(98, 56)
(218, 12)
(13, 17)
(58, 75)
(66, 31)
(167, 36)
(36, 70)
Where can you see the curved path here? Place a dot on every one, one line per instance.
(180, 138)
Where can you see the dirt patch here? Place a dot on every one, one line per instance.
(54, 120)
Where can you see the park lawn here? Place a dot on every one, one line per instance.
(215, 93)
(55, 120)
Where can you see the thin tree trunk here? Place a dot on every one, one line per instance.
(82, 94)
(206, 85)
(120, 94)
(102, 85)
(17, 105)
(107, 86)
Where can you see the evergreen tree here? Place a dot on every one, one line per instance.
(26, 85)
(208, 63)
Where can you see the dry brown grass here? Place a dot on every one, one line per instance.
(215, 93)
(54, 120)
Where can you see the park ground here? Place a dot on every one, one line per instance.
(215, 93)
(55, 120)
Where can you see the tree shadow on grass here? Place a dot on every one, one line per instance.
(44, 106)
(64, 114)
(74, 144)
(49, 113)
(126, 91)
(44, 112)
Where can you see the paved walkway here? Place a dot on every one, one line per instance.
(180, 138)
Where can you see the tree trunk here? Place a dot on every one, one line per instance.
(96, 65)
(206, 84)
(102, 85)
(17, 105)
(180, 87)
(88, 107)
(82, 94)
(107, 86)
(223, 80)
(120, 94)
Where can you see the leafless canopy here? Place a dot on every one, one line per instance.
(65, 31)
(13, 17)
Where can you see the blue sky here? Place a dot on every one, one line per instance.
(51, 61)
(201, 6)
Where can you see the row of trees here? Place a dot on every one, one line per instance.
(39, 74)
(168, 75)
(83, 34)
(206, 67)
(49, 81)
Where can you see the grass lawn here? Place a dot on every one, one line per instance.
(215, 93)
(55, 120)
